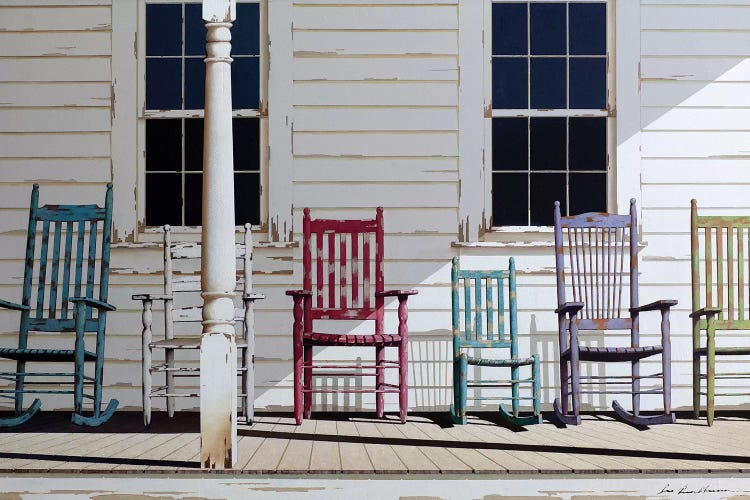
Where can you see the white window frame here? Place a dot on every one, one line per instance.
(128, 122)
(475, 115)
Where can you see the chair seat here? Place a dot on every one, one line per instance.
(44, 354)
(499, 362)
(186, 343)
(351, 340)
(590, 353)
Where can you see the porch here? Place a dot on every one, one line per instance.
(357, 443)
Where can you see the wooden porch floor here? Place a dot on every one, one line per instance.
(360, 444)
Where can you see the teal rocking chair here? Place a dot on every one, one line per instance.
(483, 328)
(79, 237)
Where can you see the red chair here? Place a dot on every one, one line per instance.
(339, 287)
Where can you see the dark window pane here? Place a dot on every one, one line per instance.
(246, 83)
(163, 83)
(195, 30)
(509, 83)
(510, 143)
(246, 199)
(548, 144)
(164, 145)
(193, 199)
(194, 144)
(509, 29)
(588, 29)
(510, 199)
(588, 144)
(246, 136)
(195, 83)
(548, 83)
(588, 83)
(246, 29)
(545, 190)
(163, 199)
(588, 193)
(164, 30)
(548, 28)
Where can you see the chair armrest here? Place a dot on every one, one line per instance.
(569, 308)
(396, 293)
(659, 305)
(94, 303)
(13, 305)
(253, 296)
(706, 311)
(151, 296)
(299, 293)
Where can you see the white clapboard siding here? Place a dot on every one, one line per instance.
(316, 93)
(375, 169)
(694, 119)
(62, 43)
(406, 68)
(88, 69)
(375, 17)
(375, 43)
(55, 145)
(376, 144)
(83, 18)
(709, 16)
(58, 120)
(387, 119)
(55, 94)
(695, 43)
(714, 69)
(695, 94)
(31, 170)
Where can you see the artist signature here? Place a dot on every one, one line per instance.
(700, 490)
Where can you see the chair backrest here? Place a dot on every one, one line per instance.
(182, 279)
(341, 259)
(65, 246)
(602, 255)
(473, 297)
(723, 241)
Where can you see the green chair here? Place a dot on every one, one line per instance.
(73, 243)
(720, 247)
(483, 328)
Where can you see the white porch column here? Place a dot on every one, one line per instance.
(218, 359)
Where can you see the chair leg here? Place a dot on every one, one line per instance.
(710, 371)
(169, 361)
(146, 383)
(247, 387)
(696, 370)
(307, 395)
(379, 381)
(666, 358)
(514, 390)
(403, 382)
(20, 369)
(298, 354)
(458, 408)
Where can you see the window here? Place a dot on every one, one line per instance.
(550, 109)
(174, 96)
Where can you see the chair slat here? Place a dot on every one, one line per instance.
(622, 274)
(720, 270)
(586, 285)
(79, 259)
(42, 270)
(66, 269)
(319, 265)
(342, 272)
(91, 264)
(595, 270)
(490, 309)
(55, 270)
(709, 269)
(467, 308)
(730, 271)
(572, 268)
(609, 271)
(478, 307)
(366, 268)
(740, 273)
(331, 270)
(501, 310)
(355, 269)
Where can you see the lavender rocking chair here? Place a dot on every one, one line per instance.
(601, 250)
